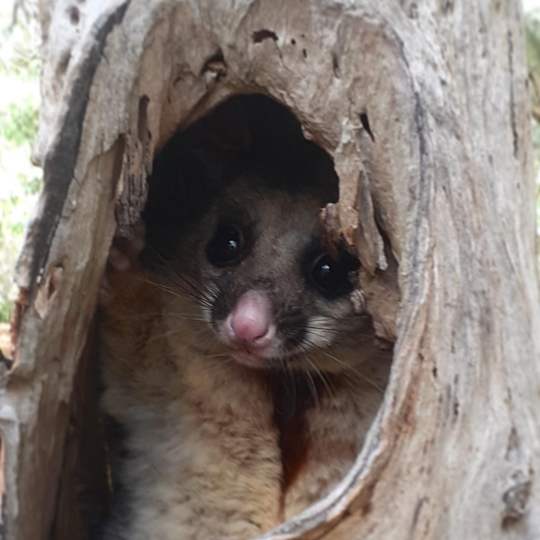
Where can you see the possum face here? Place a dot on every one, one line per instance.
(257, 271)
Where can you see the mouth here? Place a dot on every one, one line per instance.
(250, 359)
(265, 358)
(255, 356)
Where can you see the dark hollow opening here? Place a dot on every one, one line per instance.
(194, 166)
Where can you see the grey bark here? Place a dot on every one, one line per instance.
(424, 109)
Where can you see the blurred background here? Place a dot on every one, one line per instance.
(20, 181)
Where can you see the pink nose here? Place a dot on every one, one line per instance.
(251, 319)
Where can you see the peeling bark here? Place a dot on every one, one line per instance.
(424, 109)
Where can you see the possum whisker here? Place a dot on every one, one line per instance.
(219, 355)
(186, 316)
(320, 374)
(175, 291)
(190, 286)
(182, 286)
(162, 335)
(215, 362)
(289, 379)
(179, 330)
(356, 372)
(308, 347)
(321, 330)
(313, 388)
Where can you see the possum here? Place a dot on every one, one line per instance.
(236, 361)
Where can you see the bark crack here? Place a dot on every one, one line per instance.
(512, 104)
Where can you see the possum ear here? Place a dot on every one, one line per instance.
(126, 249)
(124, 256)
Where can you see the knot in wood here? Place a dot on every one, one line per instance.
(516, 498)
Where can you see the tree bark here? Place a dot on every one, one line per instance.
(424, 108)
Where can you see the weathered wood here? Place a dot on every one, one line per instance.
(423, 107)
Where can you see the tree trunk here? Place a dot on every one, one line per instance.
(424, 108)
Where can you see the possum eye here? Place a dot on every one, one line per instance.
(331, 277)
(226, 246)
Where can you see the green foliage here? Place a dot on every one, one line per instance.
(18, 124)
(20, 181)
(532, 33)
(5, 311)
(31, 184)
(17, 198)
(19, 35)
(20, 63)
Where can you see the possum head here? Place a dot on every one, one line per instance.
(254, 271)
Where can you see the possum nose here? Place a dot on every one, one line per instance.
(251, 319)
